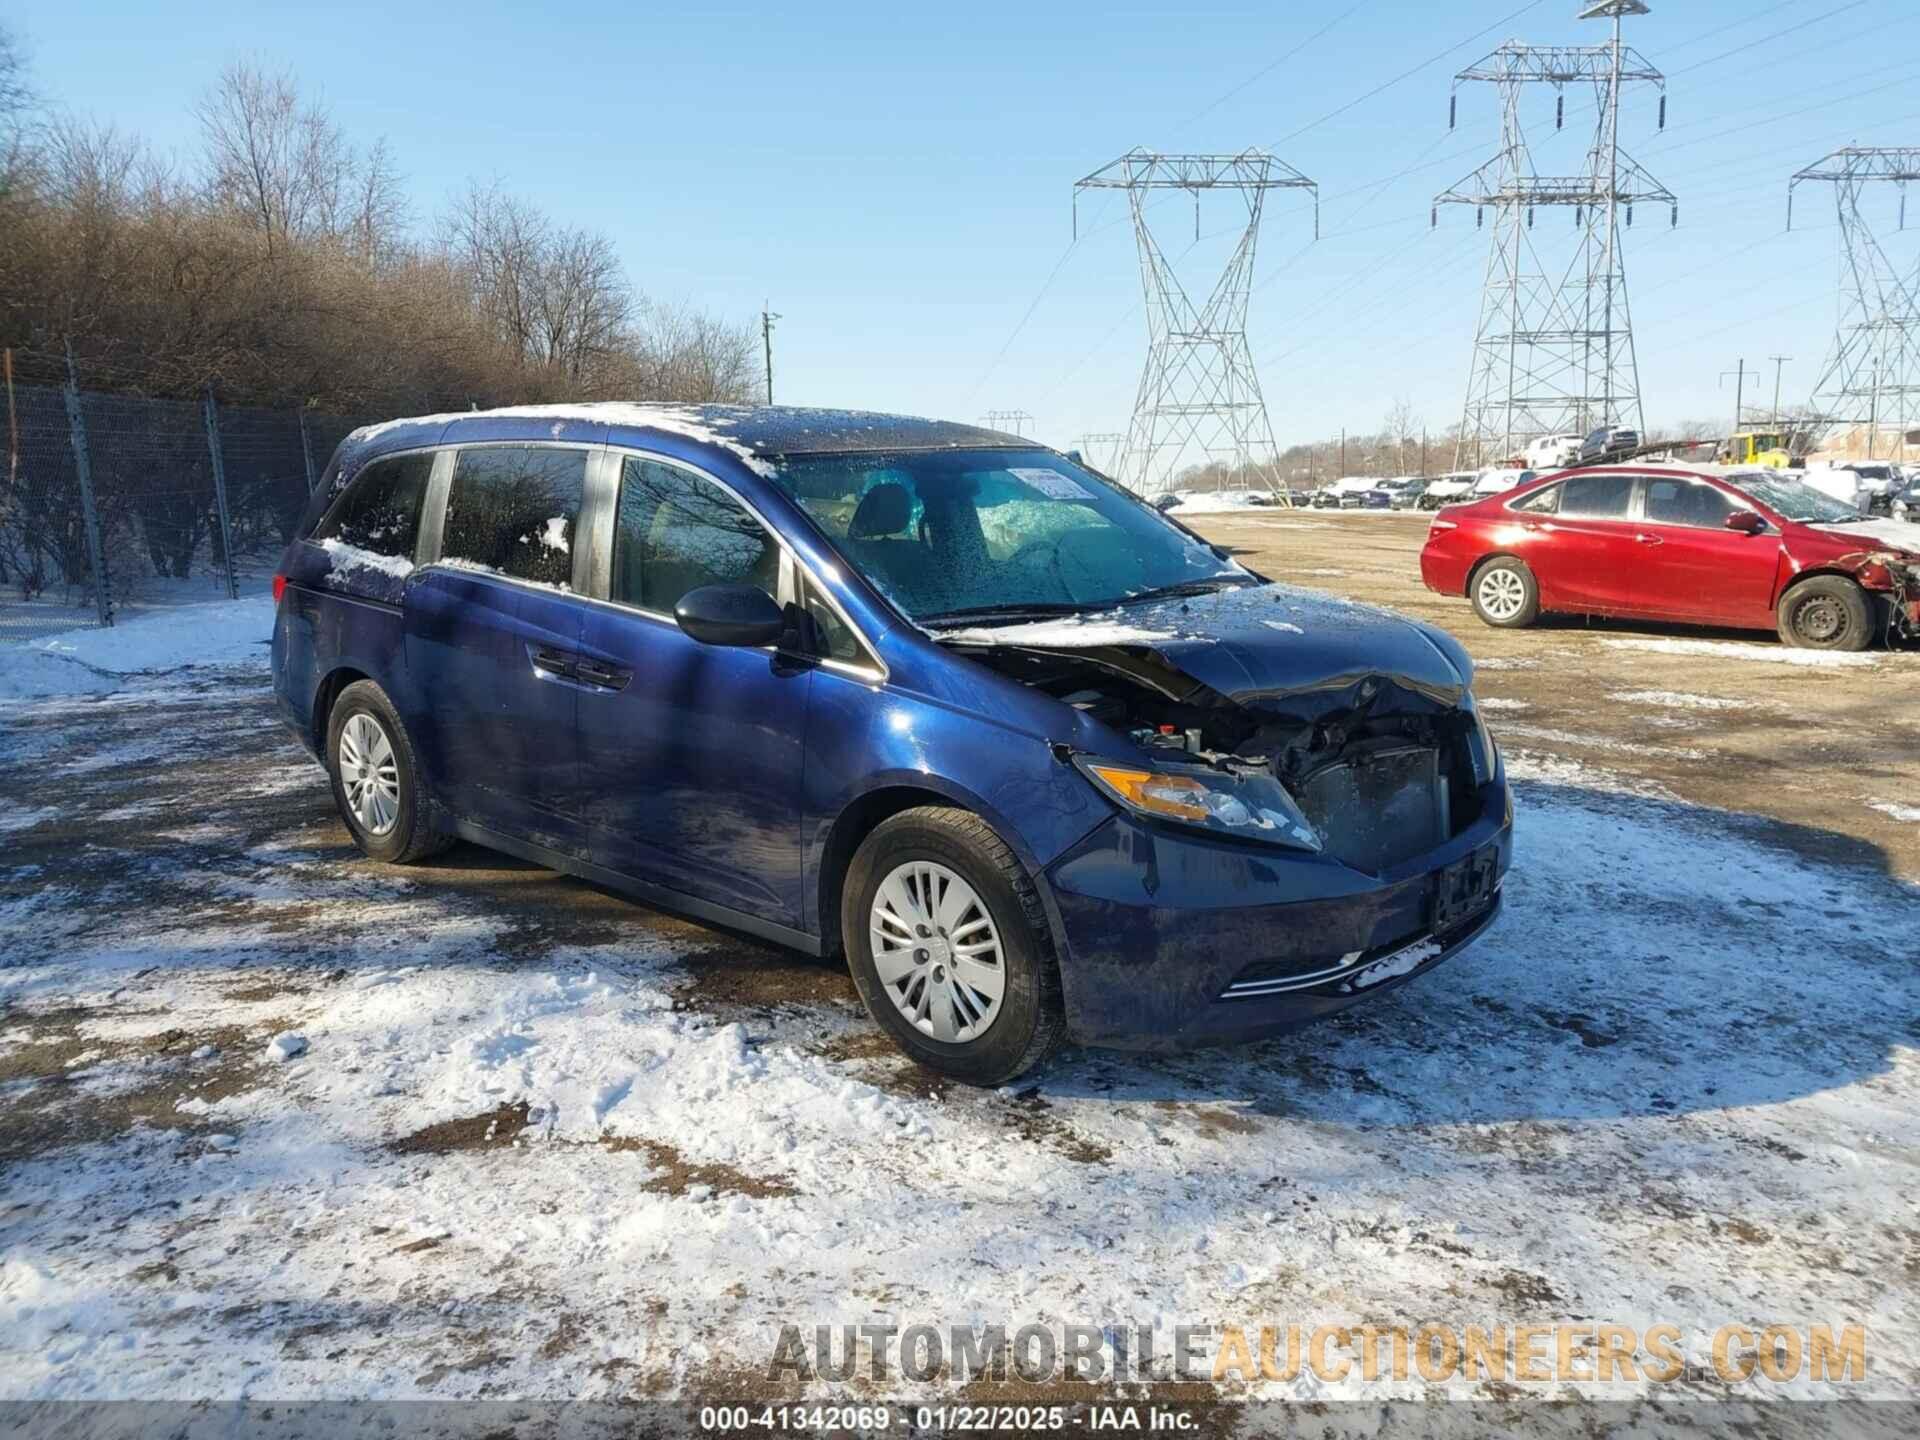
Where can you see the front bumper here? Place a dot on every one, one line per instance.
(1174, 941)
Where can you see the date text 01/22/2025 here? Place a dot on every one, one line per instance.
(945, 1419)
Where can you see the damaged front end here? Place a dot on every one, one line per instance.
(1369, 769)
(1894, 579)
(1307, 810)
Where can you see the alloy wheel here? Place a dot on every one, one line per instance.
(937, 952)
(1502, 594)
(369, 774)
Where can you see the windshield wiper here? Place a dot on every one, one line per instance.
(1013, 610)
(1187, 587)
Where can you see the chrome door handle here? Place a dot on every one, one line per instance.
(1649, 539)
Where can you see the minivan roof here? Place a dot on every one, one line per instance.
(749, 430)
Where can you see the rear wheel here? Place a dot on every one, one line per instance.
(949, 947)
(376, 779)
(1505, 593)
(1828, 612)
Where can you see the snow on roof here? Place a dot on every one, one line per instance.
(751, 432)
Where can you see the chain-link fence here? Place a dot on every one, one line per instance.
(111, 500)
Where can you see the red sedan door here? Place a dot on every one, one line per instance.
(1697, 569)
(1589, 555)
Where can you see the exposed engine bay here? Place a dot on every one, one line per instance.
(1381, 771)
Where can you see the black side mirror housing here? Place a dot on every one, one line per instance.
(731, 615)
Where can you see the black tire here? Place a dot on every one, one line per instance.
(1529, 593)
(413, 836)
(1031, 1018)
(1826, 612)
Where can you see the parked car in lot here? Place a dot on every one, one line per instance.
(1448, 489)
(1409, 495)
(1552, 452)
(1753, 549)
(1037, 760)
(1605, 443)
(1873, 483)
(1904, 504)
(1498, 478)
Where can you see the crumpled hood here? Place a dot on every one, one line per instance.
(1256, 641)
(1900, 536)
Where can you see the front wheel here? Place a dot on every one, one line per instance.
(949, 948)
(1827, 612)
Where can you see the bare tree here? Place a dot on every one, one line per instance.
(287, 165)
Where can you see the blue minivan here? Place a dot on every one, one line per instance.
(1036, 759)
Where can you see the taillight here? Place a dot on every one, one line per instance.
(279, 587)
(1438, 524)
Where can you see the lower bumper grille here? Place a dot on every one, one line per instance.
(1361, 969)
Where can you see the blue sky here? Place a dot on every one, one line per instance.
(896, 178)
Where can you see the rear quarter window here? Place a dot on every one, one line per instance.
(380, 510)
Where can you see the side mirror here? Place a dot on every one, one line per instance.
(731, 615)
(1747, 522)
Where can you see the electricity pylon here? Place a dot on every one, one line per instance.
(1554, 351)
(1198, 391)
(1872, 373)
(1102, 449)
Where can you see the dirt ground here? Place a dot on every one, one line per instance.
(545, 1142)
(1814, 746)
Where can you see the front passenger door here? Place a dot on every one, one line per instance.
(693, 752)
(1701, 571)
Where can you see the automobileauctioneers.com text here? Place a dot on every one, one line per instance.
(1734, 1353)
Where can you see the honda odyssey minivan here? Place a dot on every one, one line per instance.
(1038, 761)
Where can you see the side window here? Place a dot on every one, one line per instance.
(676, 532)
(1685, 502)
(1604, 497)
(512, 508)
(380, 511)
(1540, 502)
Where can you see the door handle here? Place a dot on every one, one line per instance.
(607, 677)
(554, 662)
(1646, 539)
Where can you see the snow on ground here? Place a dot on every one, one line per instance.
(543, 1143)
(79, 662)
(1678, 700)
(1221, 502)
(1768, 653)
(1906, 814)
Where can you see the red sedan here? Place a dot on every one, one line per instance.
(1751, 549)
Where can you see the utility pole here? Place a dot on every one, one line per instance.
(1739, 390)
(1343, 450)
(767, 317)
(1778, 361)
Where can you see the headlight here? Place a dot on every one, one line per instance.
(1252, 806)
